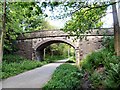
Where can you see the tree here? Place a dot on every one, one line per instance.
(84, 14)
(84, 20)
(116, 30)
(48, 26)
(3, 29)
(21, 17)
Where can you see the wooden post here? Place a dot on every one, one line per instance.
(116, 31)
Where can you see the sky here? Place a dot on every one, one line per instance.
(59, 23)
(108, 21)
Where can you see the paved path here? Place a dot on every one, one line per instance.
(35, 78)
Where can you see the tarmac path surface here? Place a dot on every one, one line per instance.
(35, 78)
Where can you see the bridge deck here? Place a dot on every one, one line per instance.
(60, 33)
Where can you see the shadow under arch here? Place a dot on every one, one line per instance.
(39, 49)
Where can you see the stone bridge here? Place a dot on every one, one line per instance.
(32, 44)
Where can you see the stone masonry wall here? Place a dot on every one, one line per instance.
(92, 43)
(25, 48)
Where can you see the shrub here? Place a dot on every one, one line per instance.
(9, 58)
(105, 59)
(92, 61)
(113, 77)
(108, 43)
(103, 66)
(97, 80)
(54, 58)
(65, 76)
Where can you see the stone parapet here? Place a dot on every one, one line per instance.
(59, 33)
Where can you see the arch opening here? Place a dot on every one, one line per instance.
(41, 48)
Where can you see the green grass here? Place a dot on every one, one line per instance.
(13, 65)
(65, 76)
(54, 58)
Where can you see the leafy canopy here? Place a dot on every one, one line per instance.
(85, 19)
(85, 14)
(21, 17)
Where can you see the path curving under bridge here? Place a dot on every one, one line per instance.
(35, 78)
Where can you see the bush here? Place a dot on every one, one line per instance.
(92, 61)
(65, 76)
(54, 58)
(103, 59)
(113, 78)
(108, 43)
(14, 64)
(103, 66)
(97, 80)
(9, 58)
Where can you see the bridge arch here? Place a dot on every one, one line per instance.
(47, 42)
(29, 43)
(39, 48)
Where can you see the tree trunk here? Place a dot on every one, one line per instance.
(3, 30)
(119, 28)
(116, 31)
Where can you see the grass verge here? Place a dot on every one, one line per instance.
(65, 76)
(14, 64)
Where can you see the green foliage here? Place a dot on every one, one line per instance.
(0, 70)
(58, 51)
(85, 19)
(100, 68)
(65, 76)
(108, 43)
(54, 58)
(97, 79)
(12, 58)
(47, 26)
(24, 14)
(92, 61)
(69, 7)
(13, 65)
(113, 77)
(21, 17)
(103, 66)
